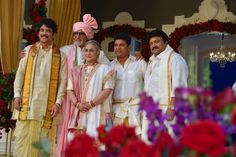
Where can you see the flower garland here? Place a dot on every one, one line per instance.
(192, 29)
(37, 13)
(6, 95)
(137, 32)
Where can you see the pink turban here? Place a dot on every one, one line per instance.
(89, 23)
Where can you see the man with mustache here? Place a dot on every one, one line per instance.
(82, 32)
(166, 71)
(39, 89)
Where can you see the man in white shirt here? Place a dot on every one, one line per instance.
(234, 88)
(129, 83)
(166, 71)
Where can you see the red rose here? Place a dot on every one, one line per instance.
(3, 104)
(223, 99)
(101, 133)
(82, 146)
(38, 19)
(135, 148)
(117, 137)
(41, 3)
(233, 116)
(204, 137)
(165, 143)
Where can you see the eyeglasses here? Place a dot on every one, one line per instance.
(79, 33)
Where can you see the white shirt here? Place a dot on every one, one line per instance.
(129, 79)
(156, 74)
(234, 88)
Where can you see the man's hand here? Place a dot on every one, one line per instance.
(22, 54)
(55, 110)
(17, 103)
(171, 114)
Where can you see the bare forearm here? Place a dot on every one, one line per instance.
(72, 96)
(102, 96)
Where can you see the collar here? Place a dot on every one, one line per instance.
(45, 49)
(130, 58)
(162, 54)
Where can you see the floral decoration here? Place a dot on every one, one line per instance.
(37, 13)
(200, 130)
(197, 28)
(6, 96)
(137, 32)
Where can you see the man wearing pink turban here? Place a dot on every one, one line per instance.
(82, 31)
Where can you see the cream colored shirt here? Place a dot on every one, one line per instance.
(129, 79)
(40, 85)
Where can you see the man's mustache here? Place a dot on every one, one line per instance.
(44, 36)
(155, 48)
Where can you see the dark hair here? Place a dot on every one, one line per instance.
(49, 23)
(158, 33)
(122, 36)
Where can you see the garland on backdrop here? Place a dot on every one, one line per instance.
(137, 32)
(37, 13)
(197, 28)
(6, 96)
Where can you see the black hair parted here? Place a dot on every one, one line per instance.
(49, 23)
(158, 33)
(122, 36)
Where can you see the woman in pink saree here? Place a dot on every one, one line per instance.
(88, 103)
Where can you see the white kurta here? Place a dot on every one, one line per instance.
(40, 85)
(129, 83)
(156, 79)
(96, 116)
(156, 76)
(80, 54)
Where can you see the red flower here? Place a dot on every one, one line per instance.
(204, 137)
(224, 98)
(166, 143)
(41, 3)
(233, 116)
(38, 19)
(135, 148)
(102, 133)
(3, 104)
(116, 138)
(82, 146)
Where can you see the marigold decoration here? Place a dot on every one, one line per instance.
(137, 32)
(37, 13)
(192, 29)
(6, 95)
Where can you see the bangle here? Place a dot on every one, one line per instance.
(91, 103)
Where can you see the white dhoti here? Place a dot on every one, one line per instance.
(126, 112)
